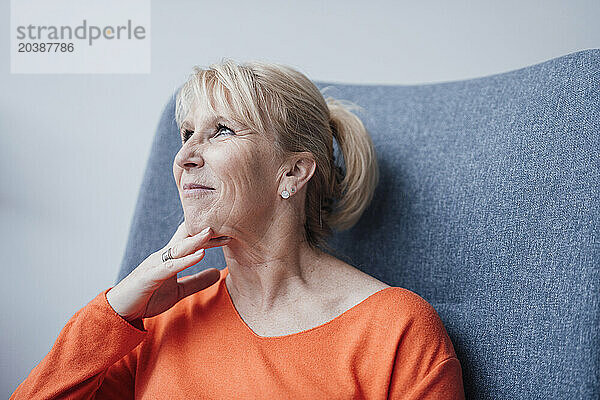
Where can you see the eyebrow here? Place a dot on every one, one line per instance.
(188, 124)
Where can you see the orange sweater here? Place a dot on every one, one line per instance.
(392, 345)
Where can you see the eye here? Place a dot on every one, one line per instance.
(185, 134)
(221, 127)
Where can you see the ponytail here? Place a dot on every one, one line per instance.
(355, 188)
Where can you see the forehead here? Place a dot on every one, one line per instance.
(201, 114)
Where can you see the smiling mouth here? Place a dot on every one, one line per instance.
(198, 192)
(191, 186)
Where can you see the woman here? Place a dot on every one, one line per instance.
(285, 319)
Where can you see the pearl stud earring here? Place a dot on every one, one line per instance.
(285, 194)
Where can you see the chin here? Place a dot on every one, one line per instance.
(194, 226)
(197, 225)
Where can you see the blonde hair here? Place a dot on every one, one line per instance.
(274, 98)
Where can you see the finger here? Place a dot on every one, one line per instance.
(197, 282)
(191, 244)
(173, 266)
(209, 243)
(202, 240)
(180, 234)
(217, 241)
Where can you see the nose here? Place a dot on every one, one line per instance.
(189, 157)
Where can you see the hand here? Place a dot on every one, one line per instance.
(152, 287)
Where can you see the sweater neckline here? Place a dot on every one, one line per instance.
(337, 319)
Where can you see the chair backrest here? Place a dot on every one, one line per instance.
(487, 207)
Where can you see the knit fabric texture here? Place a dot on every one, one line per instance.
(391, 345)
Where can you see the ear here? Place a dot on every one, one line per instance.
(297, 171)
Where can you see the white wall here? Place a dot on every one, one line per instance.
(73, 147)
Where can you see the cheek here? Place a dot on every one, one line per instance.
(177, 172)
(245, 172)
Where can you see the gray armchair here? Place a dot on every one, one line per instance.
(487, 207)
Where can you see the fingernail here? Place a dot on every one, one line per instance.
(205, 231)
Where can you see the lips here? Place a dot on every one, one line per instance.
(189, 186)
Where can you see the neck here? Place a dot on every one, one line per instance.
(266, 278)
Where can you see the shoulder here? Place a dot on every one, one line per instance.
(425, 362)
(417, 325)
(401, 325)
(399, 302)
(412, 303)
(407, 306)
(394, 303)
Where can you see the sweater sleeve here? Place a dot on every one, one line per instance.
(92, 358)
(444, 381)
(425, 365)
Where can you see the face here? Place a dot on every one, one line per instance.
(237, 164)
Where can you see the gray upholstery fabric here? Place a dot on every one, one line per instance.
(487, 207)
